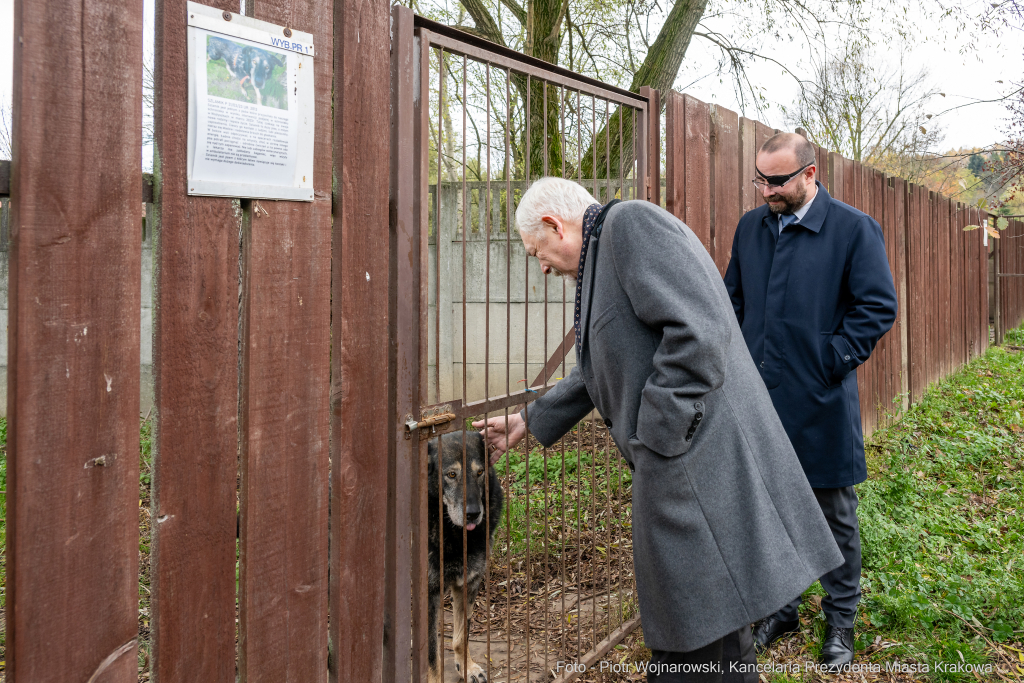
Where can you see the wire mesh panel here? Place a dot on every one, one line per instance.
(529, 561)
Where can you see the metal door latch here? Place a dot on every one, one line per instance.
(432, 421)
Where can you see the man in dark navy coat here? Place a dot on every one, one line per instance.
(811, 287)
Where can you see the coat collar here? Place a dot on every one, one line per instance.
(815, 217)
(586, 282)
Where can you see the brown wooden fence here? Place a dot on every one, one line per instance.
(1008, 264)
(263, 397)
(940, 271)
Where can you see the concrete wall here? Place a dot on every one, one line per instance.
(516, 315)
(146, 351)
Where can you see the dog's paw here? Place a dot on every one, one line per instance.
(476, 673)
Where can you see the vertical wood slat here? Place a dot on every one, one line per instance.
(983, 271)
(836, 180)
(284, 425)
(915, 298)
(675, 150)
(899, 214)
(195, 378)
(195, 350)
(726, 183)
(653, 150)
(957, 286)
(944, 329)
(761, 135)
(749, 198)
(73, 353)
(697, 170)
(359, 384)
(404, 455)
(890, 368)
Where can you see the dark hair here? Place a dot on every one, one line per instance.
(801, 148)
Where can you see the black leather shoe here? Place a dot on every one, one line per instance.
(771, 629)
(837, 650)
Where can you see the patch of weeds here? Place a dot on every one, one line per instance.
(942, 528)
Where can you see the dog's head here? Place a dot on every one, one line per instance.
(261, 63)
(460, 483)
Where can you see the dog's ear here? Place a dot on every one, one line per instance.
(475, 440)
(278, 60)
(432, 458)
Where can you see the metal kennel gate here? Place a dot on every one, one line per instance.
(472, 320)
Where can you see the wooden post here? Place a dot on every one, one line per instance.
(998, 303)
(284, 400)
(73, 331)
(361, 427)
(195, 379)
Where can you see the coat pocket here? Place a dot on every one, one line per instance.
(603, 318)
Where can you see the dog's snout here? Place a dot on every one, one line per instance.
(473, 510)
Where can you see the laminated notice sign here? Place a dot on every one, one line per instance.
(251, 107)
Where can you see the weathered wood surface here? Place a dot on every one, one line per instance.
(73, 355)
(675, 155)
(284, 400)
(195, 377)
(726, 183)
(359, 396)
(697, 169)
(749, 196)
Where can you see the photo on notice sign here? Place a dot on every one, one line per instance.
(246, 73)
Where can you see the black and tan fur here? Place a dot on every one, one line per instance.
(483, 506)
(244, 63)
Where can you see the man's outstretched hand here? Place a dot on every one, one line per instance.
(499, 436)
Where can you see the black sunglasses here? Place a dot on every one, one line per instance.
(777, 180)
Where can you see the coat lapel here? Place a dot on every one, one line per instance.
(588, 272)
(585, 294)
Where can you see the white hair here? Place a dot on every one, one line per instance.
(551, 196)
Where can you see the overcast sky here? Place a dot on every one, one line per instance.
(964, 77)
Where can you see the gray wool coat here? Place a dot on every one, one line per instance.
(726, 529)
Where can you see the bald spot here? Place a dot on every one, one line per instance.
(797, 144)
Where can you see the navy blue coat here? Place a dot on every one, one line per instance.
(812, 305)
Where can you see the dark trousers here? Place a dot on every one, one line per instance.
(842, 583)
(711, 662)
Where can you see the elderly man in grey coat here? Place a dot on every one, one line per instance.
(726, 529)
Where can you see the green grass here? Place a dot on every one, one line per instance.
(220, 83)
(942, 528)
(588, 489)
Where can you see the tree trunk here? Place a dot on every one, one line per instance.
(659, 72)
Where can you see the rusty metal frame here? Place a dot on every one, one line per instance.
(413, 39)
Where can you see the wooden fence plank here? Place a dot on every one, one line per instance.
(750, 198)
(899, 204)
(284, 401)
(958, 283)
(73, 331)
(983, 301)
(726, 183)
(195, 377)
(836, 180)
(945, 327)
(916, 299)
(697, 170)
(675, 155)
(761, 135)
(361, 425)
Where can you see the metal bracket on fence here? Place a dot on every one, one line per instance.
(442, 418)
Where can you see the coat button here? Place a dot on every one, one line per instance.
(762, 364)
(846, 358)
(608, 423)
(689, 436)
(698, 417)
(698, 406)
